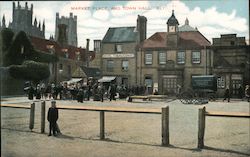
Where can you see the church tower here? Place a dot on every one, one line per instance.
(71, 31)
(172, 27)
(22, 20)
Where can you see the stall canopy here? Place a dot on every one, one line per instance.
(107, 79)
(74, 80)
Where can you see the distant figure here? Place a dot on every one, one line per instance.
(241, 94)
(156, 92)
(31, 92)
(52, 118)
(112, 91)
(227, 95)
(247, 93)
(38, 92)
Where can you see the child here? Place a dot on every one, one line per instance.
(52, 118)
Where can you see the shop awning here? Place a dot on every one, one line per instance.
(107, 79)
(74, 80)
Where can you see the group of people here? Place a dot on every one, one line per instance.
(241, 93)
(82, 92)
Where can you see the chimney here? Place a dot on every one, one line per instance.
(141, 28)
(87, 52)
(62, 38)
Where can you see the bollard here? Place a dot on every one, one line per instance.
(32, 116)
(43, 117)
(165, 126)
(102, 125)
(201, 127)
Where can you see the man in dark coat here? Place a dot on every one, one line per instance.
(227, 95)
(52, 118)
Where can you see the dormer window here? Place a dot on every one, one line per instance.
(118, 48)
(51, 48)
(78, 57)
(66, 54)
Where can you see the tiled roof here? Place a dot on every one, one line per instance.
(44, 45)
(191, 39)
(120, 34)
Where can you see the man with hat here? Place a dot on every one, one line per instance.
(52, 118)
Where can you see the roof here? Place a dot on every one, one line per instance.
(107, 79)
(191, 39)
(120, 34)
(92, 72)
(172, 20)
(186, 27)
(45, 46)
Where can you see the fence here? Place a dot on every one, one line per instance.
(202, 121)
(163, 111)
(32, 113)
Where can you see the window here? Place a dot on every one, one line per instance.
(220, 82)
(148, 58)
(162, 57)
(125, 65)
(196, 57)
(181, 57)
(110, 65)
(118, 48)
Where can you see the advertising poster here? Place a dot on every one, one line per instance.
(125, 78)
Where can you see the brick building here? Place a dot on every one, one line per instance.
(168, 59)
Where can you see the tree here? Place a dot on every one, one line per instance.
(23, 60)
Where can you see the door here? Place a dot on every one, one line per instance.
(169, 84)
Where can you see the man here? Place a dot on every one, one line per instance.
(52, 118)
(227, 95)
(247, 93)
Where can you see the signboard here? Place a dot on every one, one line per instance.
(127, 55)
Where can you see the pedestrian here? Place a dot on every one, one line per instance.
(38, 92)
(240, 92)
(227, 95)
(52, 118)
(31, 92)
(247, 93)
(112, 91)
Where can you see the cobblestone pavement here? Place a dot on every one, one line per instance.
(127, 134)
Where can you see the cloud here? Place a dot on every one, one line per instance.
(93, 24)
(101, 15)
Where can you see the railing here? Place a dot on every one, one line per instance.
(163, 111)
(202, 120)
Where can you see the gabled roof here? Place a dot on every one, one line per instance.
(44, 44)
(120, 34)
(191, 39)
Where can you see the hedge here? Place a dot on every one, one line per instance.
(30, 70)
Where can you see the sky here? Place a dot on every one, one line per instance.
(211, 17)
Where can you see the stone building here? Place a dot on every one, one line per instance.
(71, 31)
(169, 59)
(118, 51)
(22, 20)
(231, 63)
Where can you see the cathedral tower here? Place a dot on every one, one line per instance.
(71, 31)
(22, 20)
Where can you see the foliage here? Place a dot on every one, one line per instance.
(30, 70)
(7, 36)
